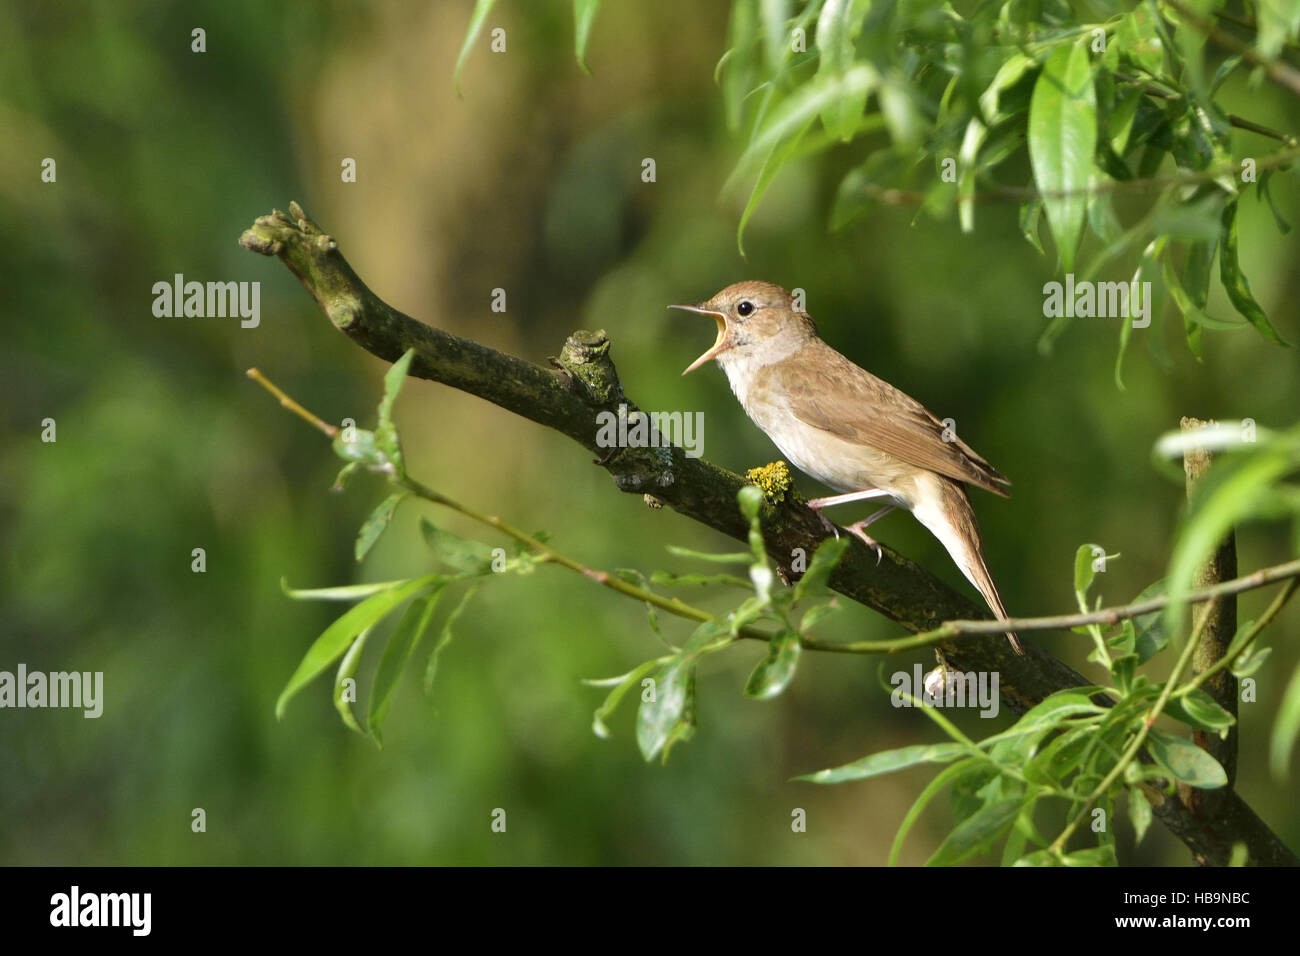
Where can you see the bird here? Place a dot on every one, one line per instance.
(848, 429)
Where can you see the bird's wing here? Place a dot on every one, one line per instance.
(827, 391)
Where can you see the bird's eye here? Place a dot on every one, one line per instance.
(745, 308)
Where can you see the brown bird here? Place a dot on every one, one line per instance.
(848, 429)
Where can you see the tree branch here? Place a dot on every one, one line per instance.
(585, 383)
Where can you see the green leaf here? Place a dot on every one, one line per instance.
(338, 637)
(735, 557)
(670, 717)
(669, 580)
(347, 670)
(1031, 211)
(657, 719)
(1039, 858)
(805, 103)
(887, 761)
(347, 592)
(1138, 40)
(815, 613)
(444, 638)
(1121, 124)
(386, 437)
(977, 833)
(775, 671)
(953, 775)
(1250, 660)
(1022, 833)
(777, 159)
(1235, 284)
(1139, 813)
(1198, 709)
(397, 654)
(622, 685)
(584, 13)
(1148, 270)
(1061, 756)
(1056, 707)
(1062, 140)
(1092, 857)
(838, 26)
(463, 554)
(1150, 634)
(967, 159)
(1279, 23)
(1009, 74)
(739, 77)
(1123, 668)
(684, 729)
(1184, 761)
(1285, 729)
(357, 447)
(903, 116)
(481, 9)
(825, 558)
(1263, 192)
(376, 524)
(1083, 571)
(776, 41)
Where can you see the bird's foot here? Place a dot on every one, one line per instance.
(827, 523)
(855, 529)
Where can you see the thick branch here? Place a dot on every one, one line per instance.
(586, 383)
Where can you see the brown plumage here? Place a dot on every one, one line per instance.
(847, 428)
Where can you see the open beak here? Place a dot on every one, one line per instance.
(719, 344)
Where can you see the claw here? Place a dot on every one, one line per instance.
(855, 529)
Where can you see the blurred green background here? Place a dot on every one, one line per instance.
(530, 183)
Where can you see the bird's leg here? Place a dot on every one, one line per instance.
(857, 526)
(817, 504)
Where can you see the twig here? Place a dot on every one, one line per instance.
(1110, 615)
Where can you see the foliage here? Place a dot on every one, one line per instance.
(1101, 108)
(1071, 758)
(1130, 152)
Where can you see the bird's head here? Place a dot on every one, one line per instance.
(757, 325)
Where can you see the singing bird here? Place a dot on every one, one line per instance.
(848, 429)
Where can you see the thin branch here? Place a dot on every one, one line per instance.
(1110, 615)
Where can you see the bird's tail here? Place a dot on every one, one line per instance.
(949, 517)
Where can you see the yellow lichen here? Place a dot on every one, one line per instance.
(773, 480)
